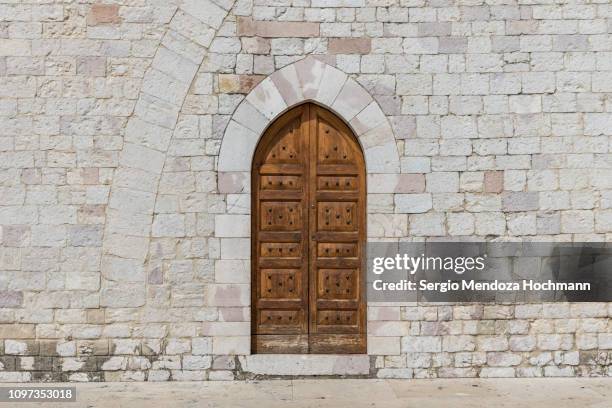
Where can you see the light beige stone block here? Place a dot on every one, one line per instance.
(351, 99)
(237, 149)
(288, 84)
(330, 85)
(306, 364)
(266, 98)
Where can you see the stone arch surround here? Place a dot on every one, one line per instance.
(308, 80)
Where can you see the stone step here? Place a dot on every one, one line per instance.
(305, 364)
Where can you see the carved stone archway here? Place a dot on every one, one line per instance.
(306, 80)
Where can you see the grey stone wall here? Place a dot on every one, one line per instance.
(124, 241)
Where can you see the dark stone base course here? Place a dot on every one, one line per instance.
(593, 363)
(40, 358)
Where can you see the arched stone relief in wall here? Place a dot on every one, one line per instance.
(129, 215)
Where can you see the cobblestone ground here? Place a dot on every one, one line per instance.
(456, 393)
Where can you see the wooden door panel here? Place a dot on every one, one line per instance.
(337, 228)
(283, 250)
(336, 284)
(280, 235)
(337, 216)
(336, 250)
(280, 283)
(282, 321)
(281, 216)
(337, 183)
(334, 145)
(308, 236)
(280, 343)
(319, 343)
(287, 182)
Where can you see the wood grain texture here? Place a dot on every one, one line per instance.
(309, 236)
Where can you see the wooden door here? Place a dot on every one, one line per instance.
(308, 228)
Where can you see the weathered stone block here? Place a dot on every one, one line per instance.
(523, 201)
(349, 45)
(421, 344)
(249, 28)
(196, 362)
(103, 14)
(11, 299)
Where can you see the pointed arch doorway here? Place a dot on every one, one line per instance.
(308, 236)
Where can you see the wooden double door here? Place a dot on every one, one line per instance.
(308, 229)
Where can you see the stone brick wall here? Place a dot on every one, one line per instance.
(124, 227)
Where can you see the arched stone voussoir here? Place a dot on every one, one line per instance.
(309, 79)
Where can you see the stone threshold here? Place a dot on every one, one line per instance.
(304, 365)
